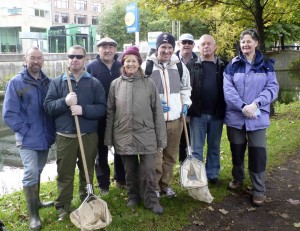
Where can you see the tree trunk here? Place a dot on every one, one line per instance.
(258, 14)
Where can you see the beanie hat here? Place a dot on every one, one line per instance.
(132, 50)
(165, 38)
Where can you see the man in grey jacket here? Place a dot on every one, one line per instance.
(174, 91)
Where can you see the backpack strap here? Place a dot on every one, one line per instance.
(149, 67)
(180, 69)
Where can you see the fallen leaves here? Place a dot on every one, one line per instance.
(284, 215)
(297, 225)
(250, 209)
(223, 211)
(294, 202)
(198, 223)
(210, 208)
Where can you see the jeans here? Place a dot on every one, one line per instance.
(34, 162)
(200, 127)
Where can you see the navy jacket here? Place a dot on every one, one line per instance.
(100, 71)
(91, 97)
(23, 111)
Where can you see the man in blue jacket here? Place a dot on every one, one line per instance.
(89, 104)
(106, 68)
(23, 112)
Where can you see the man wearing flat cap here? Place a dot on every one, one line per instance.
(106, 68)
(175, 91)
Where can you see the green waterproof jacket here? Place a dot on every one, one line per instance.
(135, 122)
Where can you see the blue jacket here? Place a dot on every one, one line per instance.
(23, 111)
(100, 71)
(91, 97)
(245, 83)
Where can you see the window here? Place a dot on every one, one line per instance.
(98, 7)
(64, 18)
(41, 13)
(80, 19)
(61, 4)
(95, 20)
(80, 4)
(39, 30)
(61, 18)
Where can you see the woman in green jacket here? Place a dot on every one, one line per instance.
(136, 128)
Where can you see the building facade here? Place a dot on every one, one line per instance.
(26, 23)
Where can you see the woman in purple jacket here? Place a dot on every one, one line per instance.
(250, 86)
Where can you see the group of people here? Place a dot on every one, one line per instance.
(135, 107)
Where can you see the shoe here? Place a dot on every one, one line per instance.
(104, 191)
(215, 181)
(62, 214)
(121, 184)
(249, 190)
(168, 192)
(234, 184)
(132, 203)
(157, 209)
(157, 194)
(257, 200)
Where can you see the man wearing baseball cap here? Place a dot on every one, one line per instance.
(174, 90)
(186, 45)
(185, 53)
(106, 68)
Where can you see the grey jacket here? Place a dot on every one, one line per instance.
(135, 122)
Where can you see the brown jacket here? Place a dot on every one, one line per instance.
(135, 122)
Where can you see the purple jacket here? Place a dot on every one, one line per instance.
(245, 83)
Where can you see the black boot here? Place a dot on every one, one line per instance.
(43, 204)
(31, 195)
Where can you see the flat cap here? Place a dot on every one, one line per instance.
(107, 41)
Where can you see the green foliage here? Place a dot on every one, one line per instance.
(4, 81)
(226, 19)
(282, 142)
(112, 23)
(294, 65)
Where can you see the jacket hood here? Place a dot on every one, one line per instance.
(259, 61)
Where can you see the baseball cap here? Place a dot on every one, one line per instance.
(186, 37)
(106, 41)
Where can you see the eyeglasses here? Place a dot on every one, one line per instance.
(187, 42)
(76, 56)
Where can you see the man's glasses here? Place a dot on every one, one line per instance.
(187, 42)
(76, 56)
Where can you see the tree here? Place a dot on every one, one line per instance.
(239, 14)
(112, 24)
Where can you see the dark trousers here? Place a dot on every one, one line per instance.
(140, 178)
(183, 145)
(101, 165)
(257, 156)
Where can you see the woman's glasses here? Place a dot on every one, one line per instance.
(76, 56)
(183, 42)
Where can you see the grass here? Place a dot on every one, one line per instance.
(282, 142)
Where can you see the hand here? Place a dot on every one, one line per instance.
(185, 109)
(249, 110)
(165, 107)
(71, 99)
(76, 110)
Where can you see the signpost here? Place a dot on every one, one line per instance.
(132, 20)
